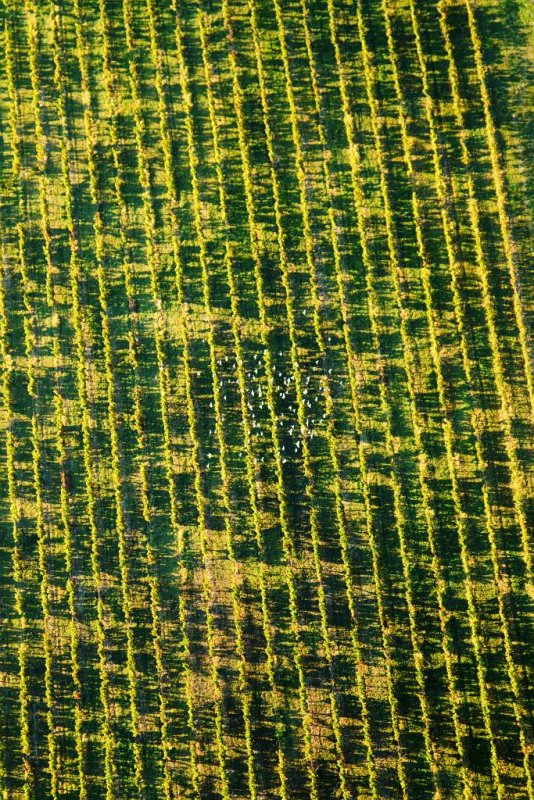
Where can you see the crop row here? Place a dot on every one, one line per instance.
(266, 476)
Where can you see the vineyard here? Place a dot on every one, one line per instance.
(267, 399)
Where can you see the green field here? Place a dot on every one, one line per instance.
(267, 399)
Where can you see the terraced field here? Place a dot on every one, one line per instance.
(267, 399)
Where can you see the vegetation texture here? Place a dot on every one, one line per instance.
(267, 399)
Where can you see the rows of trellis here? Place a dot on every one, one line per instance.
(267, 404)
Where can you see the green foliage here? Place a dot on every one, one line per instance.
(266, 390)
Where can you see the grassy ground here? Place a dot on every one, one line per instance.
(267, 400)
